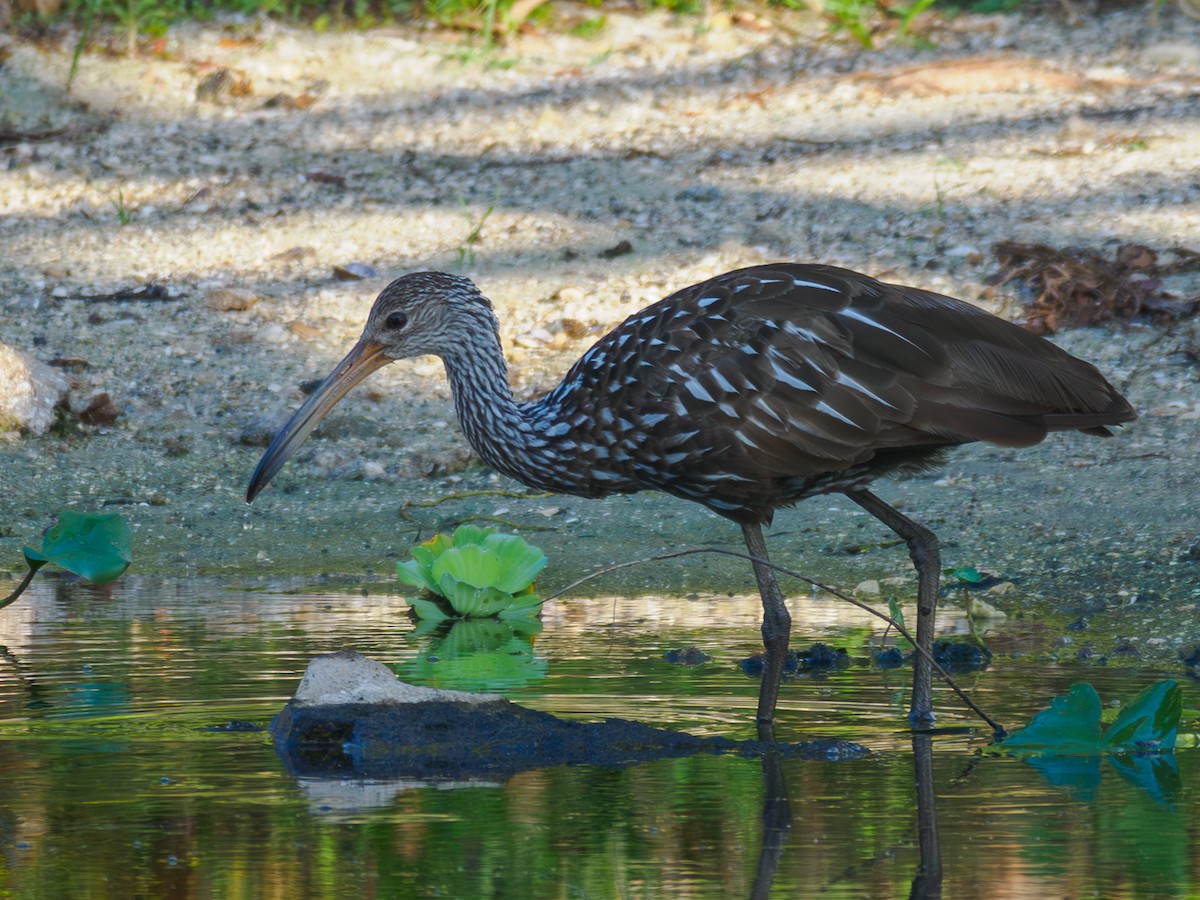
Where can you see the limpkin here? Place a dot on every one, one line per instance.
(745, 393)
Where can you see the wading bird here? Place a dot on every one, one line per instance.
(745, 393)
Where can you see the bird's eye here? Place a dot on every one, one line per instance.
(395, 321)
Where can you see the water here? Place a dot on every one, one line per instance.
(112, 784)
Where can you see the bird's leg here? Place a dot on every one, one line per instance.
(776, 631)
(923, 549)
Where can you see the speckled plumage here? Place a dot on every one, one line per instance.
(747, 392)
(764, 386)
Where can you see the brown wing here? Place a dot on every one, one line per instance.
(731, 390)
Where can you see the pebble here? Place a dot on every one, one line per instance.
(1172, 53)
(29, 392)
(273, 333)
(228, 299)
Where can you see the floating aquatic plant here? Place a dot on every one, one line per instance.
(1067, 742)
(1071, 725)
(94, 547)
(476, 573)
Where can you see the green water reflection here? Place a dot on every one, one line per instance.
(111, 786)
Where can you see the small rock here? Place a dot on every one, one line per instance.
(347, 676)
(868, 588)
(574, 329)
(822, 656)
(273, 333)
(959, 656)
(621, 248)
(537, 337)
(100, 411)
(353, 272)
(226, 299)
(304, 331)
(981, 609)
(29, 392)
(687, 656)
(891, 658)
(569, 295)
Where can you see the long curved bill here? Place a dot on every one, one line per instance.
(365, 358)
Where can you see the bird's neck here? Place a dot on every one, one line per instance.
(495, 425)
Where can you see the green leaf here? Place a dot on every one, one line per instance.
(967, 574)
(470, 564)
(94, 547)
(1150, 721)
(472, 602)
(415, 575)
(527, 606)
(468, 535)
(427, 610)
(1070, 725)
(519, 561)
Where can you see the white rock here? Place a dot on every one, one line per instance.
(347, 676)
(29, 391)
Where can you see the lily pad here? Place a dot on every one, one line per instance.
(1071, 724)
(95, 547)
(1150, 721)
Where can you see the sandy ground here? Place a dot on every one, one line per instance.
(705, 147)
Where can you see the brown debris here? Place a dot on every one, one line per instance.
(223, 87)
(620, 248)
(100, 411)
(979, 75)
(1079, 286)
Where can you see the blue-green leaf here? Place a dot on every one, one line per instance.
(95, 547)
(1150, 721)
(968, 574)
(1071, 724)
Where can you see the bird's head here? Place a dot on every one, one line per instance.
(418, 314)
(425, 313)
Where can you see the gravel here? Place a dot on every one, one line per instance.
(577, 180)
